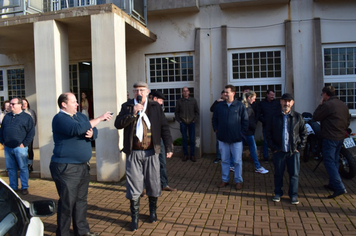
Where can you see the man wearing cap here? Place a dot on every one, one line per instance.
(186, 114)
(334, 117)
(144, 125)
(286, 136)
(157, 96)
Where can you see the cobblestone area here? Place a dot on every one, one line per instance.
(200, 208)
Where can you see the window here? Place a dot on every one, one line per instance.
(260, 69)
(16, 83)
(74, 81)
(340, 71)
(169, 74)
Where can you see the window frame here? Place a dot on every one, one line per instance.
(257, 81)
(329, 79)
(168, 84)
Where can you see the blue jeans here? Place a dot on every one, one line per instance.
(331, 149)
(280, 160)
(250, 140)
(191, 129)
(265, 145)
(162, 166)
(231, 151)
(17, 158)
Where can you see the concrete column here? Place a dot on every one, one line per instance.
(197, 94)
(318, 61)
(289, 88)
(225, 79)
(52, 79)
(109, 90)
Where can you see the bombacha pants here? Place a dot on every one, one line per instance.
(142, 169)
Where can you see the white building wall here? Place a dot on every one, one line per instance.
(247, 27)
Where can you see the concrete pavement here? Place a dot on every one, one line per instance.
(200, 208)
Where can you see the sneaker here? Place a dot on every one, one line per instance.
(232, 169)
(294, 201)
(276, 198)
(217, 161)
(261, 170)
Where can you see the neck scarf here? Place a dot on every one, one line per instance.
(139, 126)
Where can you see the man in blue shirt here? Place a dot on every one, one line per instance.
(16, 133)
(72, 135)
(286, 135)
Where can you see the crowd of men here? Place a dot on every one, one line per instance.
(148, 142)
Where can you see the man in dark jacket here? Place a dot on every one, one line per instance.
(230, 122)
(144, 125)
(286, 134)
(16, 133)
(186, 114)
(266, 109)
(334, 117)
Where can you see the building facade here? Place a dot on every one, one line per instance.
(294, 46)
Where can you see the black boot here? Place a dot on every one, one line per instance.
(153, 208)
(134, 207)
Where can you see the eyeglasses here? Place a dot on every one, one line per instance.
(139, 90)
(13, 104)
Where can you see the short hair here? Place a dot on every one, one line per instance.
(270, 90)
(3, 104)
(62, 98)
(243, 88)
(185, 87)
(329, 90)
(28, 104)
(18, 99)
(232, 87)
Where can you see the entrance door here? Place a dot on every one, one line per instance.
(81, 81)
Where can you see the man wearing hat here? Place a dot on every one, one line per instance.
(286, 136)
(157, 96)
(144, 125)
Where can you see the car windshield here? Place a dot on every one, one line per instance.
(11, 213)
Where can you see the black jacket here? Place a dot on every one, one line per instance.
(159, 126)
(230, 122)
(297, 132)
(267, 109)
(251, 120)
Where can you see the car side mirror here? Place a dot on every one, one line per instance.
(42, 208)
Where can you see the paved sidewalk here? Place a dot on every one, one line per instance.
(200, 208)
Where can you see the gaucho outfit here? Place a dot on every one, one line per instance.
(142, 163)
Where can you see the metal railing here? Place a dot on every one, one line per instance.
(135, 8)
(20, 7)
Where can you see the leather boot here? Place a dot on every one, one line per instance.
(134, 207)
(153, 208)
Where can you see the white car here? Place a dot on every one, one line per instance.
(19, 217)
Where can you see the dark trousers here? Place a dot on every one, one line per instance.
(280, 160)
(191, 129)
(162, 166)
(72, 182)
(30, 151)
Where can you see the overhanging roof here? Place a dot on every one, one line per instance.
(16, 33)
